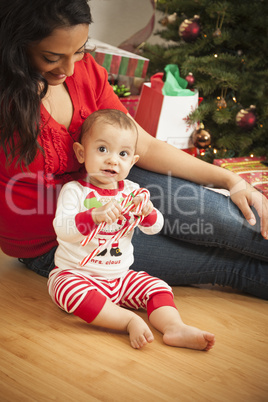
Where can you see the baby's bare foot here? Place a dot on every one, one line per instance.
(139, 332)
(185, 336)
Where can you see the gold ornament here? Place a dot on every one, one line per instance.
(169, 19)
(221, 103)
(217, 33)
(219, 23)
(201, 138)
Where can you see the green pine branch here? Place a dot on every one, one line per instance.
(233, 63)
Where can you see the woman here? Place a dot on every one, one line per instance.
(48, 86)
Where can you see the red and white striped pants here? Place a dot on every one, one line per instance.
(85, 295)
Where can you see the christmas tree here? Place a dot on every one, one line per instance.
(221, 48)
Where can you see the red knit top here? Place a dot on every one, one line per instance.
(28, 198)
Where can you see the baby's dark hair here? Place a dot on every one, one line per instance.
(110, 116)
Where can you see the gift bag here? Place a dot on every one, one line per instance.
(164, 108)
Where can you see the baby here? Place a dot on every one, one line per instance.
(94, 225)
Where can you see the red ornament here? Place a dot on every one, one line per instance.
(189, 30)
(190, 79)
(246, 118)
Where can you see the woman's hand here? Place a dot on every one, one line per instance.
(245, 196)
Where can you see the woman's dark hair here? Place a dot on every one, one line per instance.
(23, 22)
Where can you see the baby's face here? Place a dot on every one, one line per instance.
(109, 153)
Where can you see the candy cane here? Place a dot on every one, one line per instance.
(122, 232)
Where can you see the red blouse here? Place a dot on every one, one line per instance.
(28, 197)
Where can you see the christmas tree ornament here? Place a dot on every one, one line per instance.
(217, 32)
(190, 79)
(169, 19)
(201, 138)
(189, 30)
(221, 102)
(246, 118)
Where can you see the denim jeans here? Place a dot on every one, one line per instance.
(41, 265)
(205, 238)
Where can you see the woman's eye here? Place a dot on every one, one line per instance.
(102, 149)
(81, 51)
(50, 61)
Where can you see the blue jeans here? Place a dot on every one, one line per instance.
(42, 265)
(205, 238)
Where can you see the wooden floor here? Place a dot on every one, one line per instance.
(48, 355)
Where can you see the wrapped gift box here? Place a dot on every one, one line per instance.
(131, 104)
(251, 169)
(118, 61)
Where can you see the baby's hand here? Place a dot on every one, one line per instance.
(108, 213)
(148, 207)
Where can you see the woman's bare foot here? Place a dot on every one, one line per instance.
(185, 336)
(139, 332)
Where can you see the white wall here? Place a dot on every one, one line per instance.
(116, 20)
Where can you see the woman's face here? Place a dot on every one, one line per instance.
(54, 57)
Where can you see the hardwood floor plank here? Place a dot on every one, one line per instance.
(47, 354)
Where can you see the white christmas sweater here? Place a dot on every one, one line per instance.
(73, 221)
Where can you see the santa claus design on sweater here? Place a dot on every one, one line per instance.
(95, 200)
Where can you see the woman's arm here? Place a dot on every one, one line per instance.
(160, 157)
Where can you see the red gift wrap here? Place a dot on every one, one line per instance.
(131, 104)
(251, 169)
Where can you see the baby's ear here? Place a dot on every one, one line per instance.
(79, 152)
(135, 159)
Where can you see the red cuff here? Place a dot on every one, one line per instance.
(160, 300)
(84, 222)
(91, 306)
(150, 219)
